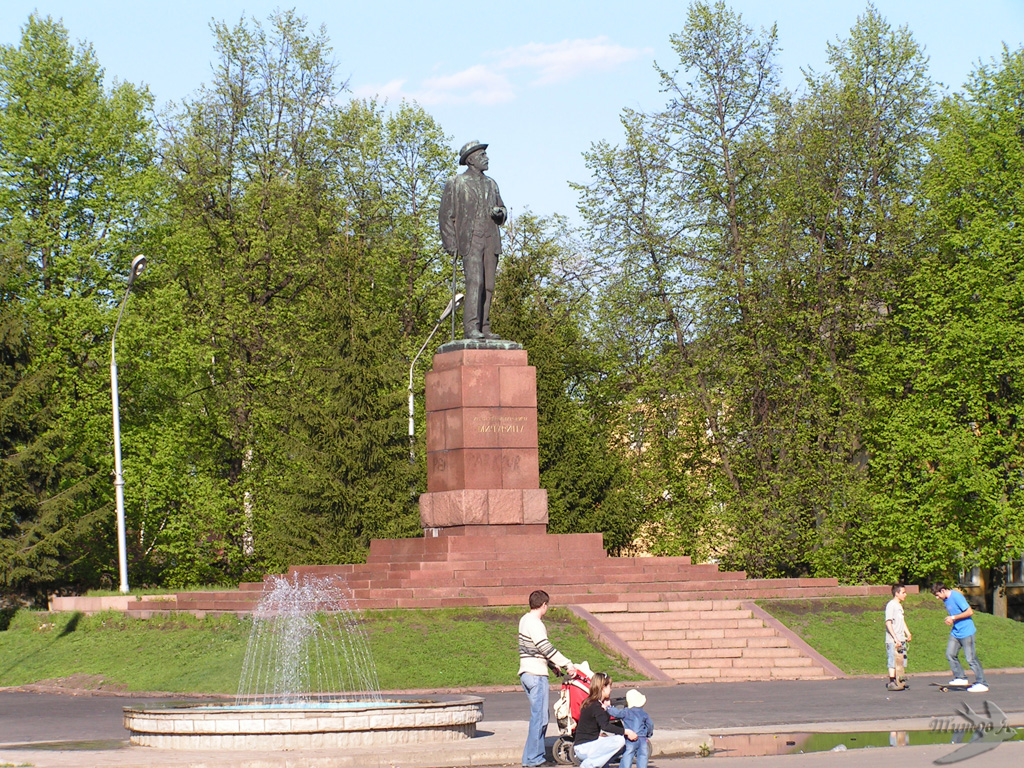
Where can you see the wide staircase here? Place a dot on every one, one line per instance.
(692, 621)
(700, 641)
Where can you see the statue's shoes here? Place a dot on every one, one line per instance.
(475, 335)
(491, 336)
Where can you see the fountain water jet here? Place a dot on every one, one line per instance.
(308, 681)
(306, 643)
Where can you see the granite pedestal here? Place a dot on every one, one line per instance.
(482, 460)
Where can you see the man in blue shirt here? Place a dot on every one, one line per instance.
(961, 635)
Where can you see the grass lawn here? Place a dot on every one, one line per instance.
(850, 632)
(182, 654)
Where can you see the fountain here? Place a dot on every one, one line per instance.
(308, 682)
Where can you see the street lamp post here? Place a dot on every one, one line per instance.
(138, 264)
(449, 310)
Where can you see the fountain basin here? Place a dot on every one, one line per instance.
(324, 725)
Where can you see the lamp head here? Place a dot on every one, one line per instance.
(137, 265)
(451, 307)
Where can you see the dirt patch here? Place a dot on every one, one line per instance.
(82, 682)
(805, 607)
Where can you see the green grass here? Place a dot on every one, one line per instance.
(412, 649)
(850, 632)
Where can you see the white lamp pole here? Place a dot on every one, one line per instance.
(138, 264)
(449, 310)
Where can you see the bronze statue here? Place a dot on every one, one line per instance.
(471, 211)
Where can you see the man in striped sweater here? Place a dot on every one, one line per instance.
(536, 656)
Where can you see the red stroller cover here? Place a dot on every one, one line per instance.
(575, 689)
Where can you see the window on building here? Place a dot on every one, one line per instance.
(1015, 572)
(971, 577)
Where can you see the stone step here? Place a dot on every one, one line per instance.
(723, 642)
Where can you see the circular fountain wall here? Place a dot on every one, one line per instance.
(308, 681)
(307, 726)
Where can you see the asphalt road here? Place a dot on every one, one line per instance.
(27, 716)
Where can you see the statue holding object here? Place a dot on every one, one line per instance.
(471, 211)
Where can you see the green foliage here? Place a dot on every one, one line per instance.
(948, 442)
(787, 339)
(850, 632)
(541, 302)
(76, 169)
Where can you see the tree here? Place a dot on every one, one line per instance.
(542, 300)
(76, 170)
(676, 215)
(304, 254)
(846, 204)
(947, 442)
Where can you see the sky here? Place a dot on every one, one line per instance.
(541, 82)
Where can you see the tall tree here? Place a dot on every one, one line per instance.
(677, 214)
(75, 179)
(249, 165)
(305, 257)
(847, 205)
(947, 443)
(542, 300)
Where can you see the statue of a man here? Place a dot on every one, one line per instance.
(471, 210)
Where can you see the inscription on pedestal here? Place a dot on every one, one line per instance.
(500, 423)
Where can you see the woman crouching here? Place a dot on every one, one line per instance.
(598, 738)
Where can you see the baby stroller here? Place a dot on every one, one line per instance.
(575, 689)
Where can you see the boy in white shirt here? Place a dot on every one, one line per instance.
(897, 635)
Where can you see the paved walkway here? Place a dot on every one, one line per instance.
(36, 728)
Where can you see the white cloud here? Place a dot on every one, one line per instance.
(478, 84)
(558, 62)
(549, 63)
(392, 91)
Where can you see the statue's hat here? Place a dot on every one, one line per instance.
(468, 149)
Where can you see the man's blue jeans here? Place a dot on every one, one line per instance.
(640, 748)
(953, 648)
(537, 690)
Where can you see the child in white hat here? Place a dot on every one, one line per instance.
(634, 718)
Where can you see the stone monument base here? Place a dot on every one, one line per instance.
(491, 506)
(482, 459)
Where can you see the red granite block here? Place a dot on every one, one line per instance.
(437, 429)
(446, 471)
(444, 512)
(518, 386)
(458, 507)
(520, 468)
(504, 507)
(426, 519)
(535, 507)
(443, 389)
(479, 542)
(480, 386)
(508, 530)
(473, 505)
(490, 357)
(449, 427)
(483, 467)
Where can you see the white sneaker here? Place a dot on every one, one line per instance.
(958, 681)
(978, 688)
